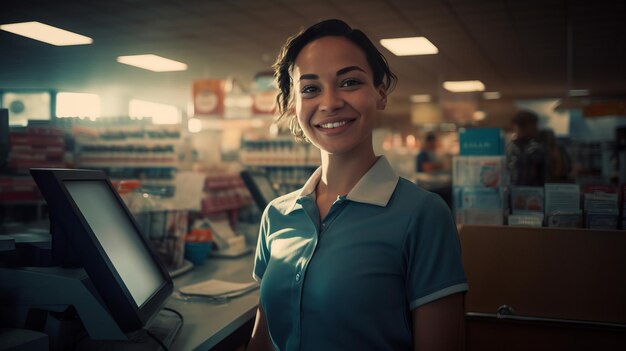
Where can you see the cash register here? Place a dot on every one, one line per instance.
(103, 286)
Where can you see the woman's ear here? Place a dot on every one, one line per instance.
(382, 101)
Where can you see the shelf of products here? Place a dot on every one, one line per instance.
(288, 164)
(36, 147)
(130, 151)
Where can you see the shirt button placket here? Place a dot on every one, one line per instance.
(298, 276)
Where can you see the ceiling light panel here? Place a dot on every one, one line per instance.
(409, 46)
(152, 62)
(46, 33)
(464, 86)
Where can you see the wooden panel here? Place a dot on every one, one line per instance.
(554, 273)
(491, 334)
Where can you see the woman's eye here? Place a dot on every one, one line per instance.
(350, 82)
(308, 89)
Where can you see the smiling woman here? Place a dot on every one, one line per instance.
(358, 259)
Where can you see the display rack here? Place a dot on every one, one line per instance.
(131, 151)
(288, 164)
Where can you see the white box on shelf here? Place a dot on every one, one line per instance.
(479, 171)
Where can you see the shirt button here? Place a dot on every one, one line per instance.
(297, 277)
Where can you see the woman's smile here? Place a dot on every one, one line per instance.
(336, 103)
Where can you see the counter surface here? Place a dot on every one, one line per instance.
(207, 323)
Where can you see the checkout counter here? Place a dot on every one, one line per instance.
(207, 324)
(88, 280)
(215, 326)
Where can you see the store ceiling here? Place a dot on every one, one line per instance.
(519, 48)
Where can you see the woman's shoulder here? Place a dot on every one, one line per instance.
(410, 191)
(284, 202)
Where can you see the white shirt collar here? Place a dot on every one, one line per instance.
(375, 187)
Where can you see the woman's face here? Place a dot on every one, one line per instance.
(335, 98)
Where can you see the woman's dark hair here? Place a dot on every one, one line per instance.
(287, 57)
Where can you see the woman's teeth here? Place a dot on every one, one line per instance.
(333, 125)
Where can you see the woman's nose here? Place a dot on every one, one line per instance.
(331, 101)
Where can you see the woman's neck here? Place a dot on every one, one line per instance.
(340, 173)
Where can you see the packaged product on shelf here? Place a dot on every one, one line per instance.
(565, 219)
(475, 197)
(601, 206)
(561, 198)
(36, 147)
(528, 219)
(526, 199)
(479, 171)
(483, 216)
(476, 205)
(607, 218)
(600, 201)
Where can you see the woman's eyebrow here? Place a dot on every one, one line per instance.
(349, 69)
(339, 72)
(309, 76)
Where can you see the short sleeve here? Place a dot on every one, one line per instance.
(262, 251)
(435, 267)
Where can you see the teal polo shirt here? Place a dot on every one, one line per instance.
(350, 281)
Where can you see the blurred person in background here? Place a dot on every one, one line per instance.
(427, 159)
(525, 156)
(558, 161)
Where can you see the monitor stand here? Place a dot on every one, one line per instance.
(36, 295)
(32, 292)
(164, 326)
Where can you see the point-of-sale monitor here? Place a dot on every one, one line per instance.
(92, 228)
(260, 187)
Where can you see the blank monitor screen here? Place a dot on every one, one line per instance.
(265, 187)
(260, 187)
(93, 229)
(111, 226)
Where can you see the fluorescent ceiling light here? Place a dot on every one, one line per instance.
(579, 92)
(417, 98)
(409, 46)
(46, 33)
(491, 95)
(152, 63)
(464, 86)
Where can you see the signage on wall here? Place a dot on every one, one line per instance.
(208, 97)
(264, 102)
(25, 105)
(264, 96)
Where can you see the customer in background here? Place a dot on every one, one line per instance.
(427, 159)
(526, 156)
(559, 163)
(358, 258)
